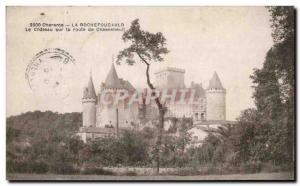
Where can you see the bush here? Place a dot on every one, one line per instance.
(40, 167)
(270, 167)
(130, 173)
(64, 168)
(186, 172)
(251, 167)
(98, 171)
(17, 167)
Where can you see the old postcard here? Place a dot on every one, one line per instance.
(150, 93)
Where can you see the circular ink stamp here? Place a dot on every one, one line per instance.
(48, 71)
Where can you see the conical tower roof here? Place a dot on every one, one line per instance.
(112, 79)
(215, 82)
(89, 91)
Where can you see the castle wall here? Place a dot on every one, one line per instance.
(107, 115)
(199, 110)
(179, 110)
(216, 105)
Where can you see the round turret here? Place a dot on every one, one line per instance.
(89, 105)
(215, 99)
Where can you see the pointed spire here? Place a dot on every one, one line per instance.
(215, 82)
(112, 79)
(89, 91)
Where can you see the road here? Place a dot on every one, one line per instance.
(258, 176)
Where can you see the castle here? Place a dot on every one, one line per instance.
(99, 119)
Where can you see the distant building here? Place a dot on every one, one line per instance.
(109, 119)
(200, 130)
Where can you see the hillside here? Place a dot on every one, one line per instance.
(42, 124)
(35, 138)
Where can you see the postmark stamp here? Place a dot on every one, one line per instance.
(47, 69)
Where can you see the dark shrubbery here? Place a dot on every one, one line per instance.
(130, 173)
(251, 167)
(40, 167)
(97, 171)
(229, 149)
(27, 167)
(64, 168)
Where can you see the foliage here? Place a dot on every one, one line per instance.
(129, 149)
(174, 146)
(45, 142)
(274, 85)
(98, 171)
(147, 46)
(36, 141)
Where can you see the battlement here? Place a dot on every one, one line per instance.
(88, 100)
(215, 90)
(172, 69)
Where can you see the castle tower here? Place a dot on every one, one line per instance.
(115, 115)
(215, 99)
(112, 80)
(170, 78)
(109, 113)
(89, 105)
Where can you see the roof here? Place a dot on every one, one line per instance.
(199, 90)
(89, 91)
(112, 79)
(126, 85)
(215, 82)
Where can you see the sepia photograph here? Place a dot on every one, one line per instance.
(158, 93)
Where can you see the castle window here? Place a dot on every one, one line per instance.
(196, 116)
(202, 116)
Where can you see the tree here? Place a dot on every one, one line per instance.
(268, 98)
(274, 90)
(280, 64)
(283, 24)
(148, 48)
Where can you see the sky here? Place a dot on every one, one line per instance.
(229, 40)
